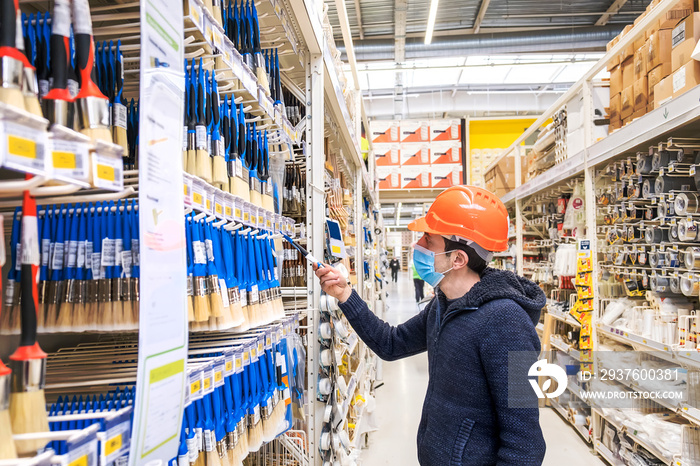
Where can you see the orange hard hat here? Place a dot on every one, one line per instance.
(469, 214)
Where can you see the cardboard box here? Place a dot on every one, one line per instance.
(653, 78)
(627, 67)
(627, 121)
(628, 51)
(639, 113)
(652, 30)
(680, 10)
(659, 49)
(683, 40)
(615, 107)
(616, 81)
(614, 61)
(686, 77)
(641, 93)
(663, 92)
(627, 102)
(640, 63)
(614, 124)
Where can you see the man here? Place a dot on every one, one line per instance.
(478, 317)
(394, 266)
(418, 283)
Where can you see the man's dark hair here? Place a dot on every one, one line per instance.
(476, 263)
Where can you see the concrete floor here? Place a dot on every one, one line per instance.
(400, 399)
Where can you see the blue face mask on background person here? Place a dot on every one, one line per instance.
(424, 261)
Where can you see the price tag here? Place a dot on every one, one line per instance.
(219, 204)
(229, 364)
(117, 441)
(218, 39)
(187, 185)
(246, 213)
(228, 206)
(24, 148)
(198, 194)
(208, 380)
(108, 171)
(692, 170)
(238, 362)
(70, 160)
(238, 209)
(219, 368)
(196, 15)
(195, 385)
(661, 171)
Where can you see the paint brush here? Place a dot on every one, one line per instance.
(27, 400)
(241, 277)
(7, 444)
(66, 313)
(30, 87)
(263, 284)
(135, 259)
(216, 306)
(53, 294)
(119, 104)
(92, 104)
(303, 251)
(252, 161)
(260, 70)
(231, 282)
(255, 428)
(264, 174)
(203, 161)
(228, 320)
(126, 258)
(92, 273)
(103, 305)
(201, 291)
(13, 60)
(219, 172)
(226, 138)
(190, 273)
(186, 118)
(10, 318)
(192, 138)
(122, 316)
(79, 294)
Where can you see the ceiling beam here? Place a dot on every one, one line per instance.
(359, 19)
(480, 16)
(400, 13)
(614, 8)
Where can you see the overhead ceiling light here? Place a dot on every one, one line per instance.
(431, 21)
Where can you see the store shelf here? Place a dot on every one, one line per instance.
(566, 318)
(540, 328)
(559, 344)
(581, 430)
(635, 438)
(603, 451)
(650, 128)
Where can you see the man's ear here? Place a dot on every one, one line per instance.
(459, 259)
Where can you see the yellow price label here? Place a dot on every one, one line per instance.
(105, 172)
(261, 347)
(253, 353)
(239, 363)
(82, 461)
(238, 213)
(113, 445)
(207, 383)
(269, 224)
(261, 220)
(246, 356)
(208, 203)
(195, 386)
(229, 366)
(246, 216)
(218, 376)
(63, 160)
(228, 211)
(22, 147)
(185, 189)
(218, 208)
(197, 198)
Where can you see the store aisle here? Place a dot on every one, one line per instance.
(400, 399)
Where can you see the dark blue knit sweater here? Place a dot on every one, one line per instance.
(466, 417)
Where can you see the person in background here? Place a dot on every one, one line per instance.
(478, 319)
(394, 266)
(418, 283)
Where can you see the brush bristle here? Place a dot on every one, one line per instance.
(31, 104)
(240, 188)
(28, 415)
(263, 80)
(7, 445)
(255, 198)
(220, 172)
(201, 308)
(243, 445)
(12, 97)
(190, 309)
(120, 139)
(52, 317)
(211, 458)
(80, 322)
(200, 459)
(203, 169)
(131, 324)
(255, 437)
(237, 314)
(98, 134)
(65, 317)
(216, 305)
(191, 166)
(268, 203)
